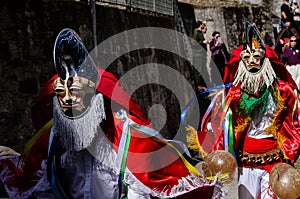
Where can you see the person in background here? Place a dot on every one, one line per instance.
(284, 36)
(263, 34)
(200, 58)
(199, 32)
(285, 13)
(291, 58)
(219, 53)
(296, 14)
(200, 54)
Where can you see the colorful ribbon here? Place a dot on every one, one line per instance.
(152, 134)
(226, 107)
(125, 138)
(183, 114)
(230, 129)
(54, 167)
(210, 107)
(226, 132)
(228, 137)
(223, 176)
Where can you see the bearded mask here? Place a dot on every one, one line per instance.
(77, 73)
(255, 71)
(77, 108)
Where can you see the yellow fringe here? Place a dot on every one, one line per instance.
(242, 124)
(274, 127)
(193, 142)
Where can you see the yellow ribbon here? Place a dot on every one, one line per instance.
(37, 136)
(223, 176)
(190, 167)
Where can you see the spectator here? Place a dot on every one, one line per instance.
(219, 53)
(296, 14)
(201, 76)
(285, 13)
(199, 32)
(200, 54)
(291, 58)
(284, 36)
(263, 34)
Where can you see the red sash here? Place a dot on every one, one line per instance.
(253, 145)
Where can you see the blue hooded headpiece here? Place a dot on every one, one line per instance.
(82, 65)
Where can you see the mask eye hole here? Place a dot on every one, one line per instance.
(59, 90)
(58, 86)
(246, 56)
(75, 89)
(257, 55)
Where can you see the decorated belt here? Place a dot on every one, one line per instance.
(259, 159)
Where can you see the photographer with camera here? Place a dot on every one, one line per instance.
(219, 53)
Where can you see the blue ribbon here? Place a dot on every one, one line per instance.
(183, 113)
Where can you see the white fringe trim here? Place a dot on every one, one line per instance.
(185, 185)
(103, 151)
(253, 82)
(78, 133)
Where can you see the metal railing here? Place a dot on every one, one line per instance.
(165, 7)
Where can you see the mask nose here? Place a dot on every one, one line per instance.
(252, 60)
(68, 99)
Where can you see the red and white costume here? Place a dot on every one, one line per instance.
(264, 121)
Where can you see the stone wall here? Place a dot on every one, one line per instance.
(230, 21)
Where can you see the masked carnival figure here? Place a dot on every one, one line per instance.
(258, 119)
(94, 141)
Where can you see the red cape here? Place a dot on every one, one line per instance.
(159, 180)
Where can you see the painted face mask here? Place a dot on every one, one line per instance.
(253, 58)
(77, 73)
(74, 94)
(78, 109)
(255, 71)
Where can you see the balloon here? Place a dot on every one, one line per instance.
(285, 181)
(220, 162)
